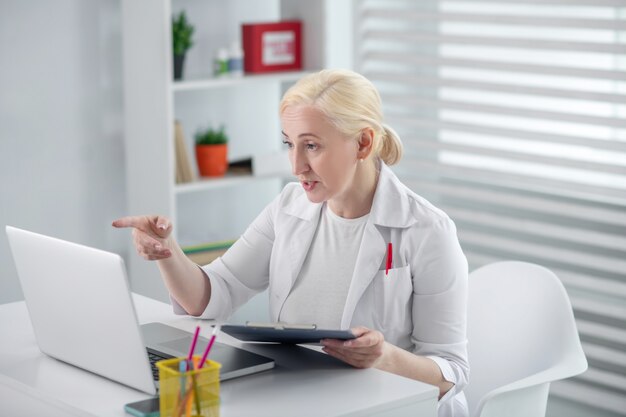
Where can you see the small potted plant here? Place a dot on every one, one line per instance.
(182, 32)
(211, 152)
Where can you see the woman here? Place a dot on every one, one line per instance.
(349, 246)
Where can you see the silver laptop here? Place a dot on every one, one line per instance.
(82, 313)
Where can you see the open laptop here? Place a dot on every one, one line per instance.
(82, 313)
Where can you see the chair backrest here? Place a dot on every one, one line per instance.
(520, 323)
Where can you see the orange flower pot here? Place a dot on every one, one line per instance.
(212, 160)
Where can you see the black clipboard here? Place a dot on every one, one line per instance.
(284, 333)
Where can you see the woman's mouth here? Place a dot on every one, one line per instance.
(308, 185)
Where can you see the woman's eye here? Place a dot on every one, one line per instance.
(288, 144)
(311, 146)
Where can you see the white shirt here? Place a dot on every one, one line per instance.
(420, 305)
(319, 294)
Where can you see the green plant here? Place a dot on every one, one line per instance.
(210, 136)
(182, 32)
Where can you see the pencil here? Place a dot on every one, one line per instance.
(190, 366)
(209, 346)
(192, 348)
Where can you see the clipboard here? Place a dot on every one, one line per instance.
(284, 333)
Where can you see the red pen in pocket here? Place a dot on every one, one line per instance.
(389, 258)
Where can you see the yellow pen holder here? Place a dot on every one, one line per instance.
(189, 394)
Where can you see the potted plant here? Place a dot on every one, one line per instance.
(182, 32)
(211, 152)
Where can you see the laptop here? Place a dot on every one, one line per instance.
(82, 313)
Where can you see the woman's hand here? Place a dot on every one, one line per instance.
(366, 351)
(369, 350)
(185, 281)
(150, 235)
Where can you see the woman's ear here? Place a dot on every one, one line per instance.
(365, 143)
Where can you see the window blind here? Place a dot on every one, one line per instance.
(513, 116)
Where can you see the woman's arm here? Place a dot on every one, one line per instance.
(186, 282)
(439, 313)
(407, 364)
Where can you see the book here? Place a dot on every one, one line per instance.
(206, 253)
(184, 172)
(206, 257)
(240, 167)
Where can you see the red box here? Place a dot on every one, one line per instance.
(272, 46)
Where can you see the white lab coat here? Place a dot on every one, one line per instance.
(419, 306)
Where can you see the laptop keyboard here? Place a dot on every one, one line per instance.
(154, 357)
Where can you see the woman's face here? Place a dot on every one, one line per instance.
(323, 159)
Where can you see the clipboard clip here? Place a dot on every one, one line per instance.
(282, 326)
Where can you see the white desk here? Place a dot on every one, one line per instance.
(302, 384)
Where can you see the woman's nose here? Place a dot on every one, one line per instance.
(299, 163)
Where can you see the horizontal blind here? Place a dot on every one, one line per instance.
(513, 117)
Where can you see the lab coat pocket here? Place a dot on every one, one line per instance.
(392, 295)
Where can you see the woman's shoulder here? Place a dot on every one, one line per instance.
(424, 209)
(424, 212)
(397, 205)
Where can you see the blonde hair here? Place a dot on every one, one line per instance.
(349, 101)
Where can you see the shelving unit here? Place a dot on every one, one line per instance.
(206, 210)
(209, 83)
(206, 184)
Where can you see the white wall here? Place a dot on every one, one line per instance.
(61, 138)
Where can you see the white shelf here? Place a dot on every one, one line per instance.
(205, 184)
(226, 81)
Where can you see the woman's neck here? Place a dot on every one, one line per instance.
(357, 200)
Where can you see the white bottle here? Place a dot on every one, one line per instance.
(235, 60)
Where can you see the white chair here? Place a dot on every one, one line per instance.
(522, 336)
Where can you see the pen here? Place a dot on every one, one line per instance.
(209, 346)
(186, 391)
(181, 368)
(389, 258)
(182, 365)
(190, 366)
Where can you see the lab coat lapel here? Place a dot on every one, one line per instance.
(303, 220)
(390, 210)
(371, 254)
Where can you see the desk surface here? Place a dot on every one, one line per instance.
(303, 383)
